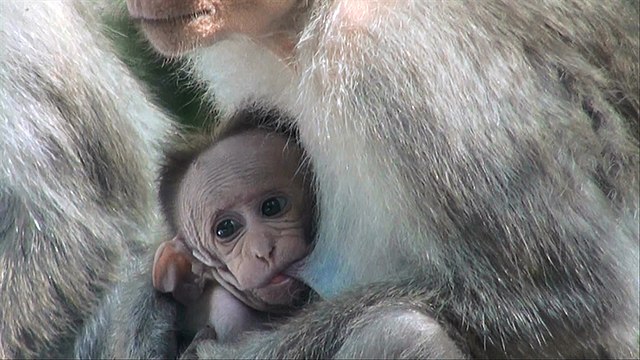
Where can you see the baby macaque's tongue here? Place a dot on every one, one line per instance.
(278, 279)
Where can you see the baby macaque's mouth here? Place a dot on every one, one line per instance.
(179, 19)
(279, 279)
(282, 291)
(295, 269)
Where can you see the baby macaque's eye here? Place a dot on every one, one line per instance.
(273, 206)
(226, 228)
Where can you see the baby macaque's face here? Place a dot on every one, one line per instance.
(245, 210)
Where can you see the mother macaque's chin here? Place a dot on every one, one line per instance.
(175, 27)
(175, 37)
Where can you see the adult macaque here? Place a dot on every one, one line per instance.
(77, 169)
(242, 212)
(476, 169)
(476, 166)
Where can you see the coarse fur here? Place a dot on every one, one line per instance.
(79, 152)
(132, 321)
(505, 137)
(476, 164)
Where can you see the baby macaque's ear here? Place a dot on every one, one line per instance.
(172, 271)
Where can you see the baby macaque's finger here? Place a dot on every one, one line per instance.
(172, 271)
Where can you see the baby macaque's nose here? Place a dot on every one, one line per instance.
(263, 248)
(265, 253)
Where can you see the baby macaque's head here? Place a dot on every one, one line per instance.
(243, 213)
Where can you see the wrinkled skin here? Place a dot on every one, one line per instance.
(243, 216)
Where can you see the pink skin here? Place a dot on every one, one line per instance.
(233, 182)
(222, 311)
(176, 26)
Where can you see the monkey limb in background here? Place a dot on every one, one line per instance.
(476, 167)
(77, 168)
(242, 211)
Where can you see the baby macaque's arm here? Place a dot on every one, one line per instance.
(222, 311)
(205, 305)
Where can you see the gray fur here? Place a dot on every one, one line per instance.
(79, 150)
(485, 154)
(133, 321)
(491, 146)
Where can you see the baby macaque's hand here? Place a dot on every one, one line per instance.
(173, 272)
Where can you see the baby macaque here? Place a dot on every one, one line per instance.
(242, 210)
